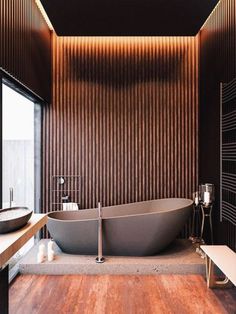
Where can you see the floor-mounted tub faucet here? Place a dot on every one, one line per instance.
(100, 258)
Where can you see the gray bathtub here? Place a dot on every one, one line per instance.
(136, 229)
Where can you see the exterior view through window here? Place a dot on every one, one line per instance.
(19, 150)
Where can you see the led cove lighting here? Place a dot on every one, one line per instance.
(212, 12)
(44, 14)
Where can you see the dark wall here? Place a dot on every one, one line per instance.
(218, 64)
(25, 45)
(124, 116)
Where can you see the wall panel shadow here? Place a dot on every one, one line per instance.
(124, 116)
(218, 64)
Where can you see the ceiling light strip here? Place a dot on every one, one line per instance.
(44, 14)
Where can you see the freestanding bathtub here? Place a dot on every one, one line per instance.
(136, 229)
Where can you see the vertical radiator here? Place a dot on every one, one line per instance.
(228, 151)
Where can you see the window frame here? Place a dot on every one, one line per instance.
(10, 81)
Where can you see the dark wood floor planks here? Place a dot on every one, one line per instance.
(105, 294)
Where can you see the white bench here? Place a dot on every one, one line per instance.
(225, 259)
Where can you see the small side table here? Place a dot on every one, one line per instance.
(207, 213)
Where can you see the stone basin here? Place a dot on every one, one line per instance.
(14, 218)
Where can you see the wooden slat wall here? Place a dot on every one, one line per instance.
(218, 64)
(25, 45)
(124, 116)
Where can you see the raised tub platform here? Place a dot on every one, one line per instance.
(179, 258)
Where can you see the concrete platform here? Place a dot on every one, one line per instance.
(179, 258)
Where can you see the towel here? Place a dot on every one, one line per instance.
(70, 206)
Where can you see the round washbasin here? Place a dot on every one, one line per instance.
(14, 218)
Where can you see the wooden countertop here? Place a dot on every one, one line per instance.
(11, 242)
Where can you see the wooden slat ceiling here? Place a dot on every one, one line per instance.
(128, 17)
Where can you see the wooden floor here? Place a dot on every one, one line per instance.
(30, 294)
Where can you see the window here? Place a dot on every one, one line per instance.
(17, 149)
(21, 129)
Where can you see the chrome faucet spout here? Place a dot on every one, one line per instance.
(11, 196)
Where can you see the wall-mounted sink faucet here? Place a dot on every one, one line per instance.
(11, 196)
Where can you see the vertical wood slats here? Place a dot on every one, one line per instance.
(25, 49)
(124, 116)
(218, 64)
